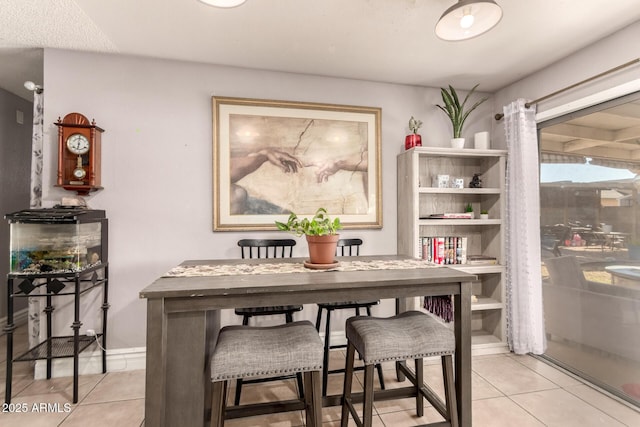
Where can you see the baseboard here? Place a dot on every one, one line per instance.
(20, 318)
(123, 359)
(485, 351)
(337, 338)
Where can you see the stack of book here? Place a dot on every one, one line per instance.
(461, 215)
(481, 260)
(450, 250)
(443, 250)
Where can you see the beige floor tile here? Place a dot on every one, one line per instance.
(118, 386)
(397, 405)
(501, 412)
(559, 408)
(62, 386)
(20, 342)
(127, 413)
(549, 372)
(335, 384)
(284, 419)
(615, 409)
(18, 384)
(510, 377)
(334, 413)
(508, 390)
(376, 422)
(270, 391)
(37, 411)
(337, 359)
(19, 368)
(409, 418)
(481, 389)
(432, 377)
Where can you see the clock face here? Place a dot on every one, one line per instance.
(78, 144)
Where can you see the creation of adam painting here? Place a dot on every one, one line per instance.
(272, 158)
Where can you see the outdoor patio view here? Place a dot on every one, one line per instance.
(590, 236)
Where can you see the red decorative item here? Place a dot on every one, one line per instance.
(413, 140)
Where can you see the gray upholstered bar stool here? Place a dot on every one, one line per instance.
(253, 351)
(346, 247)
(409, 335)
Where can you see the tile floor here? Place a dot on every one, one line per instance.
(508, 390)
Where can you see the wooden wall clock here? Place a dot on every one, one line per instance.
(79, 143)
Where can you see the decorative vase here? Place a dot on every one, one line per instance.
(457, 143)
(481, 141)
(413, 140)
(322, 249)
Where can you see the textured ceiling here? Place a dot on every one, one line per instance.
(379, 40)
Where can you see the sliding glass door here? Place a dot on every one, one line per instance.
(590, 235)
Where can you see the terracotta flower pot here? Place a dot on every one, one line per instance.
(322, 249)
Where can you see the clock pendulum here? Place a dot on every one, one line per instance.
(79, 171)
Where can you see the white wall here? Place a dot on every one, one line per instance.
(157, 158)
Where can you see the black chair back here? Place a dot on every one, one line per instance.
(266, 248)
(348, 247)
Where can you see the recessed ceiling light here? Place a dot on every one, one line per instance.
(223, 3)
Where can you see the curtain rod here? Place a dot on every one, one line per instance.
(499, 116)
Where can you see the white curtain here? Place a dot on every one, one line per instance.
(36, 150)
(36, 199)
(525, 321)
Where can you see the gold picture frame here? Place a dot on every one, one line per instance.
(271, 158)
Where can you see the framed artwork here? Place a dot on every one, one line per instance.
(271, 158)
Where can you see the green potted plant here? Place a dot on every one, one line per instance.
(321, 232)
(484, 214)
(456, 112)
(413, 140)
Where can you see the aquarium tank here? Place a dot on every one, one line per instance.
(56, 240)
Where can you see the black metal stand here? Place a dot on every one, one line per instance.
(55, 347)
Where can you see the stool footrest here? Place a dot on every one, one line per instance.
(265, 408)
(426, 391)
(341, 370)
(267, 379)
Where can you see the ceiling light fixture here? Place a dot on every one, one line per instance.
(468, 19)
(29, 85)
(223, 3)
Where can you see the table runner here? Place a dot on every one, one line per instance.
(288, 267)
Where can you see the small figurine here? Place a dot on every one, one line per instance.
(476, 182)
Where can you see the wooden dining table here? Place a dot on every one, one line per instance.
(183, 319)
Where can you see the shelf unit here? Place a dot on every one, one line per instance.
(418, 198)
(75, 284)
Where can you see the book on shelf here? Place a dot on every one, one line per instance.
(443, 250)
(461, 215)
(481, 260)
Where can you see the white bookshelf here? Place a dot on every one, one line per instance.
(418, 198)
